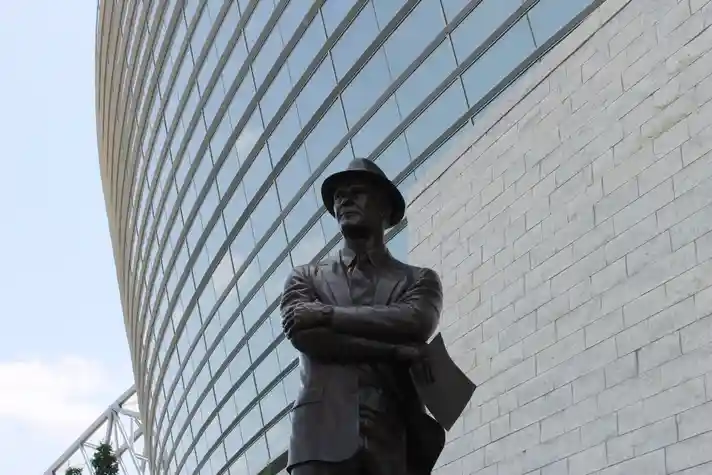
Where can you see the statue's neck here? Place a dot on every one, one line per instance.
(365, 245)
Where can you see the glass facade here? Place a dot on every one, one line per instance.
(217, 122)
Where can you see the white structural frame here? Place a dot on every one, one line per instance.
(122, 429)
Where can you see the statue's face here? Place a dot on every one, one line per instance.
(360, 204)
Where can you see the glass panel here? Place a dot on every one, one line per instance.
(366, 88)
(498, 61)
(549, 16)
(480, 24)
(411, 37)
(426, 78)
(333, 12)
(353, 42)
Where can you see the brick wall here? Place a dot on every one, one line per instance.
(576, 254)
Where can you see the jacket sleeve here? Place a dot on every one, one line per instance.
(323, 343)
(297, 289)
(410, 320)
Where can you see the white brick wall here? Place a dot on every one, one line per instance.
(578, 266)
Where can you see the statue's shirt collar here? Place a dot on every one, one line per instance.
(377, 256)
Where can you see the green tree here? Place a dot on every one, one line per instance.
(104, 460)
(73, 471)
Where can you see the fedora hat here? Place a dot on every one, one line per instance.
(363, 168)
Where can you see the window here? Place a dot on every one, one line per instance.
(257, 21)
(293, 176)
(275, 95)
(316, 90)
(412, 36)
(376, 129)
(395, 158)
(269, 52)
(309, 246)
(426, 78)
(505, 55)
(366, 87)
(309, 44)
(398, 245)
(326, 135)
(480, 24)
(284, 134)
(549, 16)
(300, 214)
(439, 115)
(355, 40)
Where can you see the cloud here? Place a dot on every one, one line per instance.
(59, 397)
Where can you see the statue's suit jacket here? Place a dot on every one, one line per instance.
(325, 419)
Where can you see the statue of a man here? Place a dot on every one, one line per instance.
(360, 322)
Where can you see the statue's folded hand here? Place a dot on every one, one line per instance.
(305, 315)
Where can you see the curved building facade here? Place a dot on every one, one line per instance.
(217, 121)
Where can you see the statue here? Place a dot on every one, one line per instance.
(361, 322)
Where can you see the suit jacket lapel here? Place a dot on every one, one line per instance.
(335, 280)
(388, 281)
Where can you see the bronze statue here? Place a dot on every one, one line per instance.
(361, 322)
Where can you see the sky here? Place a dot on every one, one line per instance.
(63, 351)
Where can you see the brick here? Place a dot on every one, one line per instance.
(662, 405)
(644, 206)
(697, 334)
(588, 360)
(685, 205)
(517, 331)
(599, 430)
(594, 239)
(588, 461)
(646, 305)
(540, 408)
(570, 418)
(609, 276)
(693, 173)
(579, 271)
(650, 277)
(623, 368)
(578, 318)
(690, 282)
(511, 444)
(500, 427)
(690, 452)
(695, 421)
(642, 441)
(560, 351)
(630, 238)
(659, 351)
(652, 463)
(654, 249)
(633, 158)
(691, 228)
(604, 327)
(588, 385)
(616, 200)
(690, 365)
(647, 331)
(556, 468)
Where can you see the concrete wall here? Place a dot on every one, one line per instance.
(573, 231)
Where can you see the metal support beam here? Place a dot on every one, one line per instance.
(109, 427)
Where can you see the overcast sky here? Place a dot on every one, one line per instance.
(63, 351)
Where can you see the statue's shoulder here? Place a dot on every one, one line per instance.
(416, 271)
(312, 269)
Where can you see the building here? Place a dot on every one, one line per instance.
(576, 254)
(120, 426)
(218, 120)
